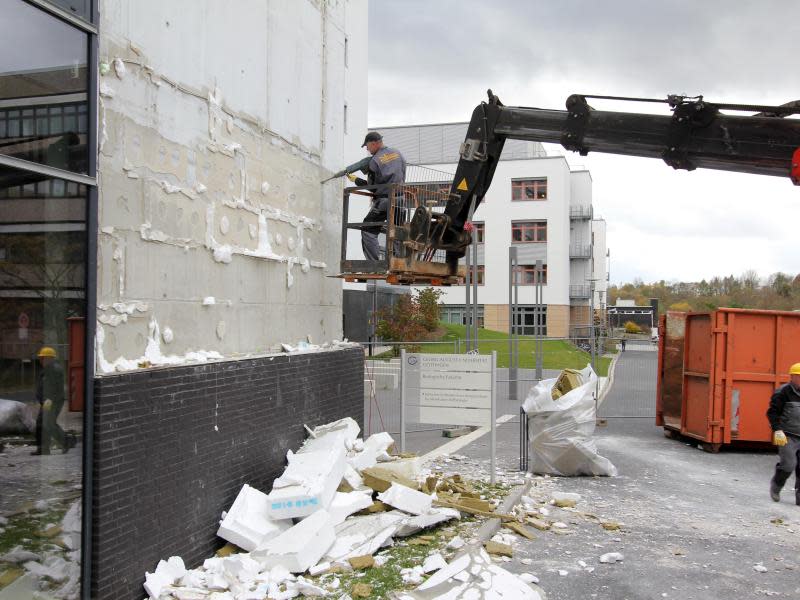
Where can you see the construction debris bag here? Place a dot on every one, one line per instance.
(17, 418)
(560, 431)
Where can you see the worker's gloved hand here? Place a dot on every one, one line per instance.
(48, 405)
(779, 438)
(352, 177)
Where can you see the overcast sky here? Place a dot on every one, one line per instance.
(432, 61)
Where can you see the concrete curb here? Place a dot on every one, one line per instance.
(492, 526)
(610, 381)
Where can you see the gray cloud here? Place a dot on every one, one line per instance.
(432, 62)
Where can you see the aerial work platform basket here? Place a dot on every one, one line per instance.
(405, 239)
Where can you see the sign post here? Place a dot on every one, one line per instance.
(402, 400)
(456, 389)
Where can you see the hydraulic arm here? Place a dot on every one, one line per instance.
(696, 135)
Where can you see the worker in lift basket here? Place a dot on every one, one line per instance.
(387, 166)
(784, 418)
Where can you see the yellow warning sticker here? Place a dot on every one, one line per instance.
(462, 187)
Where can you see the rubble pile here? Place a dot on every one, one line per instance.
(339, 501)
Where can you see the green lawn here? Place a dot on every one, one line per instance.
(558, 354)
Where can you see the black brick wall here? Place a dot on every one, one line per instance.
(163, 474)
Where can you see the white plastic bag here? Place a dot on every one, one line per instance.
(560, 431)
(17, 418)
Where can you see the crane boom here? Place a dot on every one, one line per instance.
(696, 135)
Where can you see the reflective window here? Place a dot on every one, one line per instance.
(43, 88)
(79, 8)
(42, 310)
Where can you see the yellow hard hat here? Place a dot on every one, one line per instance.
(794, 369)
(48, 352)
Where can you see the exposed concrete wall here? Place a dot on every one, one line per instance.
(217, 122)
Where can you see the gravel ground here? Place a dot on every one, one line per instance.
(694, 525)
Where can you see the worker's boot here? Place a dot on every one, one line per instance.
(777, 483)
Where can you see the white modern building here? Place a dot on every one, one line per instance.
(543, 208)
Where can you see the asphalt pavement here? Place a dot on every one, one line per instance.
(694, 524)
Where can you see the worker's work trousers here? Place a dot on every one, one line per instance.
(789, 460)
(369, 236)
(47, 427)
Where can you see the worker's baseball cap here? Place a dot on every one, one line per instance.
(372, 136)
(46, 352)
(794, 369)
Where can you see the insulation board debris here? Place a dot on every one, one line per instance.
(247, 524)
(299, 547)
(308, 483)
(406, 499)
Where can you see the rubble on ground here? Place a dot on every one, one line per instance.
(342, 508)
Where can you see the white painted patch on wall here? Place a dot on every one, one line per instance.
(224, 225)
(152, 353)
(113, 320)
(223, 254)
(128, 308)
(209, 301)
(119, 68)
(167, 335)
(265, 187)
(106, 91)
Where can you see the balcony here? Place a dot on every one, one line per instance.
(580, 213)
(580, 292)
(580, 251)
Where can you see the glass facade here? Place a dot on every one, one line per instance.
(44, 123)
(43, 88)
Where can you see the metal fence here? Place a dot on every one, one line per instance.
(633, 393)
(382, 379)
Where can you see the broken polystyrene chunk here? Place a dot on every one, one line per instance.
(471, 575)
(345, 429)
(248, 524)
(308, 588)
(433, 562)
(406, 499)
(412, 575)
(409, 468)
(308, 483)
(154, 584)
(456, 543)
(566, 499)
(412, 525)
(362, 535)
(167, 573)
(345, 504)
(319, 569)
(241, 568)
(298, 548)
(375, 450)
(353, 479)
(611, 557)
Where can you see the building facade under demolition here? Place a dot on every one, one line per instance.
(537, 204)
(163, 232)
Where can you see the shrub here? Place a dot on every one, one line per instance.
(631, 327)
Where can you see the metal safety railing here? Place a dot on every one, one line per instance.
(410, 208)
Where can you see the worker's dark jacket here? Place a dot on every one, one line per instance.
(50, 384)
(387, 166)
(784, 410)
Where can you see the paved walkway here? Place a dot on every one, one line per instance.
(695, 524)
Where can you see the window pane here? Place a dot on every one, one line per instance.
(42, 299)
(79, 8)
(43, 65)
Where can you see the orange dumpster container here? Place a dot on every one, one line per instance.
(669, 392)
(733, 360)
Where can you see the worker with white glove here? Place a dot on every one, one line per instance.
(784, 418)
